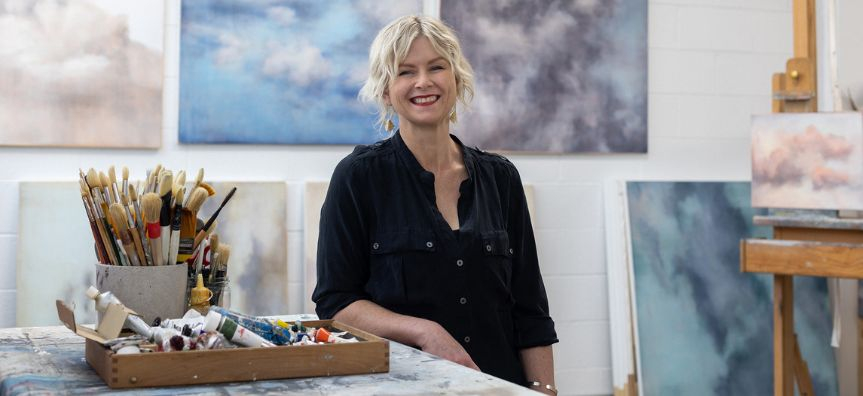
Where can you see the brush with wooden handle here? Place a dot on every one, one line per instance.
(133, 230)
(140, 226)
(101, 254)
(125, 187)
(102, 223)
(119, 216)
(151, 205)
(112, 178)
(106, 188)
(209, 222)
(189, 222)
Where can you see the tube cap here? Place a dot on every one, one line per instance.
(92, 292)
(212, 321)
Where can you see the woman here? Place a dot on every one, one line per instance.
(425, 241)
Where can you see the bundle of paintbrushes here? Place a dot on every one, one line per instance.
(156, 223)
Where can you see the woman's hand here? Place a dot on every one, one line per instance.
(437, 341)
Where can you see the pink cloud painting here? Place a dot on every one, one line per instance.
(807, 161)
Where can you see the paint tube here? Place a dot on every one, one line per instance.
(195, 326)
(133, 322)
(322, 335)
(234, 332)
(266, 328)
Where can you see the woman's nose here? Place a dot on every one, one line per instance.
(423, 80)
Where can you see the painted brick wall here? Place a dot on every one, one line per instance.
(710, 63)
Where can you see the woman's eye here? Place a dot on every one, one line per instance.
(405, 72)
(437, 67)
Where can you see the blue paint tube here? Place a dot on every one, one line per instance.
(263, 327)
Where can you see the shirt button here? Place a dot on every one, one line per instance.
(462, 301)
(429, 244)
(467, 339)
(487, 248)
(375, 246)
(459, 262)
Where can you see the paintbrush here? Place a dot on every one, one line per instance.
(165, 184)
(137, 216)
(188, 223)
(179, 182)
(152, 205)
(209, 222)
(125, 188)
(122, 231)
(208, 255)
(112, 178)
(106, 188)
(220, 264)
(101, 254)
(198, 180)
(133, 229)
(102, 223)
(175, 234)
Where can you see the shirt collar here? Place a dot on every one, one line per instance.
(414, 166)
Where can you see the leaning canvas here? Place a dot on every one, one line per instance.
(554, 76)
(807, 161)
(702, 326)
(84, 73)
(279, 72)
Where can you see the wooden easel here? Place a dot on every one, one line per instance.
(794, 91)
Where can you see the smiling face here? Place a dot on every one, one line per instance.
(423, 93)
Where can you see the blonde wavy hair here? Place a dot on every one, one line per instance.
(390, 48)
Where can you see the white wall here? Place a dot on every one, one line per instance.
(710, 64)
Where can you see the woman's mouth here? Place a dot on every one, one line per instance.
(425, 100)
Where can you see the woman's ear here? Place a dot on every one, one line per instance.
(386, 97)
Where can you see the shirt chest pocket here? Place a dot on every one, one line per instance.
(401, 263)
(497, 254)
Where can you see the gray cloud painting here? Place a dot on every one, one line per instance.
(554, 76)
(807, 161)
(83, 73)
(703, 327)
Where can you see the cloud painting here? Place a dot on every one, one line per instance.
(279, 71)
(702, 326)
(554, 76)
(83, 73)
(807, 161)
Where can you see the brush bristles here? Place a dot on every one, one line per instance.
(222, 256)
(181, 178)
(200, 178)
(197, 198)
(84, 189)
(166, 182)
(119, 217)
(93, 178)
(178, 195)
(214, 243)
(125, 173)
(103, 179)
(132, 193)
(151, 205)
(112, 174)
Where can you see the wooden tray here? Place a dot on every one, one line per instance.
(371, 355)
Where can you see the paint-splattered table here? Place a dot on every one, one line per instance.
(46, 360)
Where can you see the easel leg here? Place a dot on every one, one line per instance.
(783, 335)
(801, 371)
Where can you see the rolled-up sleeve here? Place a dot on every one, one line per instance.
(533, 324)
(342, 259)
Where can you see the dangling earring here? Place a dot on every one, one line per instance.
(389, 126)
(453, 117)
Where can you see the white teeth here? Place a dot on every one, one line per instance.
(427, 99)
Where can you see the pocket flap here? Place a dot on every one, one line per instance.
(400, 241)
(496, 243)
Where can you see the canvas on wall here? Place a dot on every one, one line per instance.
(254, 224)
(807, 161)
(554, 76)
(84, 73)
(282, 72)
(702, 326)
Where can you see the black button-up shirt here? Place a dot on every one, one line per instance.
(383, 239)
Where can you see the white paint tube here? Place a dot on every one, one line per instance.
(234, 332)
(133, 322)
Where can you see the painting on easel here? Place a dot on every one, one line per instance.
(807, 161)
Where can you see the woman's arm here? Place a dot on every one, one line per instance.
(425, 334)
(538, 365)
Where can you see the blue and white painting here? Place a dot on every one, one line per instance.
(279, 72)
(554, 76)
(704, 327)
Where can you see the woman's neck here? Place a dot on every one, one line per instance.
(433, 148)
